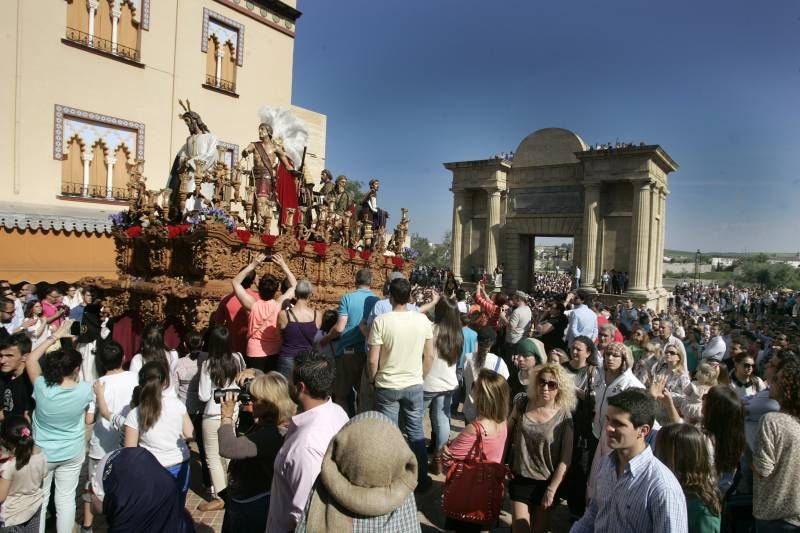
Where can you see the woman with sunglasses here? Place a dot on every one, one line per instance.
(744, 382)
(541, 432)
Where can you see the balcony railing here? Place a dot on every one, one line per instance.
(103, 45)
(97, 192)
(219, 83)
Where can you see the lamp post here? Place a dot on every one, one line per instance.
(697, 265)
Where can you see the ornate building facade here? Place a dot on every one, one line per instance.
(611, 201)
(91, 88)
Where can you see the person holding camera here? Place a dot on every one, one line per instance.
(252, 454)
(218, 372)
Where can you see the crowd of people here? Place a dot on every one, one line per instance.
(683, 420)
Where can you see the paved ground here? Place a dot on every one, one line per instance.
(429, 505)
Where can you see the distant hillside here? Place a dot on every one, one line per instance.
(683, 253)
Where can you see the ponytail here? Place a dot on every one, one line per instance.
(152, 379)
(17, 437)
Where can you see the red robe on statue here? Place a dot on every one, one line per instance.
(286, 190)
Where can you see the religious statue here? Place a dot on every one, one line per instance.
(279, 150)
(371, 214)
(401, 231)
(343, 200)
(190, 185)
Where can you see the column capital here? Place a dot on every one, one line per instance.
(93, 4)
(220, 52)
(111, 160)
(87, 156)
(492, 191)
(116, 11)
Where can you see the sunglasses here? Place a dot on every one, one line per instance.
(670, 353)
(748, 365)
(550, 385)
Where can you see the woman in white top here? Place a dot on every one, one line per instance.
(159, 423)
(473, 363)
(39, 329)
(218, 371)
(441, 381)
(615, 376)
(152, 348)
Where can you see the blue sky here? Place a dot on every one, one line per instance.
(409, 85)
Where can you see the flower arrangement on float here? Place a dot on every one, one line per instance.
(133, 227)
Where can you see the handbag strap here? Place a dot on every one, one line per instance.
(476, 454)
(496, 364)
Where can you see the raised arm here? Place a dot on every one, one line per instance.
(278, 260)
(32, 366)
(241, 293)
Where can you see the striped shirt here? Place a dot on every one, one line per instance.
(646, 498)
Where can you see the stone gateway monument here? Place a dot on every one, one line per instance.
(610, 199)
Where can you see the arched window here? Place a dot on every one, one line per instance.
(78, 15)
(211, 61)
(228, 66)
(72, 167)
(102, 26)
(128, 31)
(119, 179)
(98, 170)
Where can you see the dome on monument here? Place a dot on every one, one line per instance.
(548, 146)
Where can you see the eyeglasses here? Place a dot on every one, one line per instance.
(671, 353)
(550, 385)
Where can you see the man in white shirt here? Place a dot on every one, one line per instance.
(299, 460)
(400, 355)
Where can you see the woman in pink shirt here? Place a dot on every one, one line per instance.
(492, 398)
(263, 334)
(493, 307)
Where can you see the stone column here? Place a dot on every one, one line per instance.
(662, 206)
(218, 74)
(92, 11)
(110, 162)
(640, 223)
(652, 239)
(86, 157)
(457, 235)
(492, 229)
(590, 220)
(116, 13)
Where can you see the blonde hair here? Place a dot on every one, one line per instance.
(492, 396)
(705, 374)
(652, 348)
(273, 389)
(565, 397)
(681, 359)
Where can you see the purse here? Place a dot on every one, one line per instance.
(474, 487)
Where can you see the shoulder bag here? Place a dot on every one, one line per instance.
(474, 487)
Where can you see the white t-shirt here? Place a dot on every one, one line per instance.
(25, 491)
(165, 438)
(205, 389)
(492, 362)
(137, 363)
(118, 389)
(441, 377)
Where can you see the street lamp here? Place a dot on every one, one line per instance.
(697, 265)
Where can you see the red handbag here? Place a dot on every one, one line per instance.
(474, 487)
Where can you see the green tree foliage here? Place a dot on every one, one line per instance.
(756, 269)
(356, 190)
(434, 255)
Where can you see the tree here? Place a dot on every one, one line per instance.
(356, 190)
(433, 255)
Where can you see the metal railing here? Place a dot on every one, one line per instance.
(103, 45)
(219, 83)
(76, 189)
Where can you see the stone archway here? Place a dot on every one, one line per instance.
(610, 200)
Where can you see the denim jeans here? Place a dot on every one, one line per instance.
(285, 366)
(65, 474)
(406, 402)
(181, 473)
(439, 405)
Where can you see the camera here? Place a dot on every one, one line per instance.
(243, 392)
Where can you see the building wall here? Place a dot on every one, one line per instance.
(42, 72)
